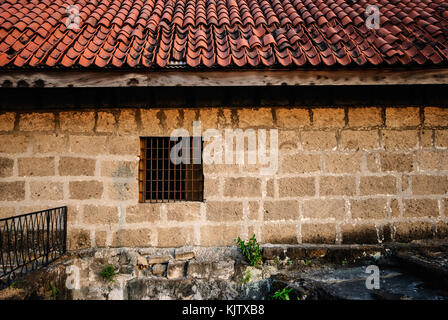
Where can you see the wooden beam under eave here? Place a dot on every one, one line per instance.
(198, 78)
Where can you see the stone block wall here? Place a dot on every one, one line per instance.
(346, 175)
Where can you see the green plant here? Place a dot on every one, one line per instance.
(54, 291)
(108, 273)
(246, 277)
(14, 285)
(282, 294)
(251, 250)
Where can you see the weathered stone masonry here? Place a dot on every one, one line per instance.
(346, 175)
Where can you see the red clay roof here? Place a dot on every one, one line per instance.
(222, 33)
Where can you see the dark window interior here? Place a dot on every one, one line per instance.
(161, 180)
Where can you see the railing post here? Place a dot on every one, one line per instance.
(47, 247)
(64, 210)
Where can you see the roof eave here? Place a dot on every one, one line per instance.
(213, 78)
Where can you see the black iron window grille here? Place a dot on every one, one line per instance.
(164, 180)
(31, 241)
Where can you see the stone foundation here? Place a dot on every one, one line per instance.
(199, 273)
(346, 175)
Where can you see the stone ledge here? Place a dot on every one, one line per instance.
(269, 251)
(227, 263)
(159, 259)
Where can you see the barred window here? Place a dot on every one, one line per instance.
(162, 179)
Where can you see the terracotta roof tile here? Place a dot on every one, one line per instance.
(223, 33)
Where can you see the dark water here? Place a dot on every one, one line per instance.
(395, 284)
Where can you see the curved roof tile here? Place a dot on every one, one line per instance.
(221, 33)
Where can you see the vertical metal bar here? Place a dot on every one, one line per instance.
(27, 242)
(202, 171)
(175, 181)
(182, 178)
(38, 233)
(47, 247)
(9, 246)
(157, 169)
(33, 236)
(58, 235)
(149, 155)
(65, 229)
(2, 262)
(16, 256)
(141, 175)
(49, 234)
(142, 170)
(18, 247)
(51, 227)
(21, 253)
(192, 167)
(163, 168)
(151, 168)
(169, 170)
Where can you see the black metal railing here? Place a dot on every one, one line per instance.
(31, 241)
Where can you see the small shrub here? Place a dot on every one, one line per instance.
(250, 250)
(108, 273)
(282, 294)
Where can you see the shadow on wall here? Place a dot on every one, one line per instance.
(400, 232)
